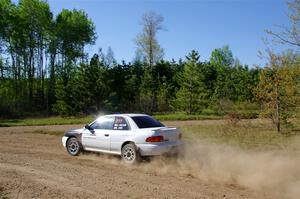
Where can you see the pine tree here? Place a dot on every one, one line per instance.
(191, 96)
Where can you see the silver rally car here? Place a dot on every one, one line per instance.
(130, 135)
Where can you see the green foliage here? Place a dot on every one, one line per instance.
(84, 92)
(222, 57)
(231, 81)
(6, 9)
(222, 61)
(207, 114)
(76, 89)
(73, 31)
(158, 87)
(192, 93)
(4, 194)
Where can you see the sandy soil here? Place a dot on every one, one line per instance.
(37, 166)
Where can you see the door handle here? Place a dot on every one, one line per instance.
(106, 135)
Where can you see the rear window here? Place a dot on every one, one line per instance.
(146, 122)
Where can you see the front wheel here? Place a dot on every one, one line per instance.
(130, 154)
(73, 146)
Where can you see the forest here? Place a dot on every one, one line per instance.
(45, 70)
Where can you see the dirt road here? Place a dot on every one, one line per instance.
(37, 166)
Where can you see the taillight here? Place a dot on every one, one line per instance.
(155, 139)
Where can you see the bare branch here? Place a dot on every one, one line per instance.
(282, 39)
(289, 34)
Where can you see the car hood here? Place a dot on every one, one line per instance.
(74, 132)
(77, 130)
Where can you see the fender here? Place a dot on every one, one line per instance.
(127, 142)
(74, 134)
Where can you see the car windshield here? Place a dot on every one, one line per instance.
(146, 122)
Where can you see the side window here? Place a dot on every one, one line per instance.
(104, 123)
(121, 124)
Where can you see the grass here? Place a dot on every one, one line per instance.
(3, 193)
(88, 119)
(184, 116)
(45, 121)
(246, 135)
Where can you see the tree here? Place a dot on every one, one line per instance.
(74, 30)
(232, 81)
(24, 35)
(222, 57)
(146, 41)
(289, 34)
(278, 88)
(192, 94)
(110, 60)
(152, 52)
(37, 18)
(160, 81)
(222, 61)
(6, 8)
(93, 83)
(132, 87)
(117, 82)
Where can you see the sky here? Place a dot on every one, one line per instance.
(202, 25)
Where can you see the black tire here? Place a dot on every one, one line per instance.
(130, 154)
(73, 146)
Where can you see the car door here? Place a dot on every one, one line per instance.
(120, 133)
(97, 137)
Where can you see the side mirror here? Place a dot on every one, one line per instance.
(88, 127)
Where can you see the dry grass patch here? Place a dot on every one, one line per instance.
(247, 134)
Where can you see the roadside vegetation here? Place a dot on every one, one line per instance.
(46, 121)
(87, 119)
(73, 84)
(3, 193)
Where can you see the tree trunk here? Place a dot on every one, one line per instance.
(31, 74)
(277, 116)
(190, 103)
(154, 101)
(277, 104)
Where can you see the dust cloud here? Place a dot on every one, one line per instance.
(273, 172)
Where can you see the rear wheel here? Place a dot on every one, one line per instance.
(130, 154)
(73, 146)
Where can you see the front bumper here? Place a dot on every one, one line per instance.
(64, 140)
(160, 148)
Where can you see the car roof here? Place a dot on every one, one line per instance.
(127, 114)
